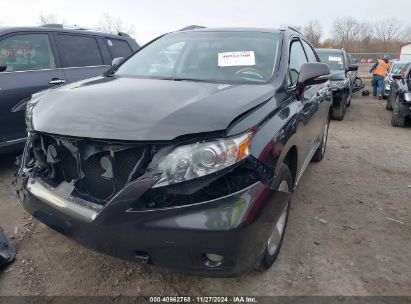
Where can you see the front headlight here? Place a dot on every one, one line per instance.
(35, 98)
(196, 160)
(407, 97)
(337, 84)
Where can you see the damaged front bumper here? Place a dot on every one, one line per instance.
(235, 226)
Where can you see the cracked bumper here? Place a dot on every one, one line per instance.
(236, 226)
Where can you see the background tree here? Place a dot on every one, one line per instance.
(386, 32)
(345, 32)
(365, 37)
(49, 19)
(313, 31)
(114, 25)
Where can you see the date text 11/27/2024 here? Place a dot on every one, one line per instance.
(203, 299)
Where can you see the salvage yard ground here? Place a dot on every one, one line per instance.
(349, 231)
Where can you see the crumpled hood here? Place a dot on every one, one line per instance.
(337, 75)
(126, 108)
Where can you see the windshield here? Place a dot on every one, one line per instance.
(396, 68)
(226, 57)
(335, 61)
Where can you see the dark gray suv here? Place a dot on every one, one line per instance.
(38, 58)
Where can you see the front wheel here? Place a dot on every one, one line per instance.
(388, 106)
(397, 119)
(283, 183)
(338, 112)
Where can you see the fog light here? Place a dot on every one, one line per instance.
(213, 260)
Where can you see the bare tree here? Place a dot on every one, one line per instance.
(345, 32)
(111, 24)
(49, 18)
(406, 34)
(313, 31)
(387, 31)
(365, 36)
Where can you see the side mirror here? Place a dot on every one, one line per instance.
(3, 65)
(396, 76)
(117, 61)
(353, 67)
(311, 74)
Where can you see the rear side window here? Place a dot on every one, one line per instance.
(309, 51)
(27, 52)
(297, 59)
(78, 51)
(118, 48)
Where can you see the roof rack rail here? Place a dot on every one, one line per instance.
(123, 34)
(80, 28)
(192, 27)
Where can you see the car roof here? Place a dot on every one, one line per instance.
(12, 29)
(234, 29)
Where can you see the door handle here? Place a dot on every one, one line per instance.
(57, 81)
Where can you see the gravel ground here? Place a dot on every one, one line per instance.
(348, 231)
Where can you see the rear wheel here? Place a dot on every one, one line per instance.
(284, 184)
(319, 154)
(397, 119)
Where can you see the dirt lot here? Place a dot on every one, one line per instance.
(348, 234)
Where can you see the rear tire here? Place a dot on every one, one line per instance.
(319, 154)
(282, 183)
(397, 119)
(388, 106)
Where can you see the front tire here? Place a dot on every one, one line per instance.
(388, 106)
(397, 119)
(283, 183)
(349, 98)
(339, 111)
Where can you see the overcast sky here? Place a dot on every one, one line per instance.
(154, 17)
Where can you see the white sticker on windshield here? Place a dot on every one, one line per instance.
(334, 58)
(228, 59)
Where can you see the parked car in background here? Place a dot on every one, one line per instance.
(188, 162)
(395, 68)
(401, 103)
(394, 85)
(37, 58)
(342, 79)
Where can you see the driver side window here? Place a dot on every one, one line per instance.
(297, 59)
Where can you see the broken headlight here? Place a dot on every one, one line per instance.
(337, 84)
(35, 98)
(196, 160)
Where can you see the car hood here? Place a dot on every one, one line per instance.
(125, 108)
(337, 75)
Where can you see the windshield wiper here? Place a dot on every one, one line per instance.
(188, 79)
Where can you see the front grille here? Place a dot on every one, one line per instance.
(79, 160)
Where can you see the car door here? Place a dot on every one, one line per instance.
(31, 67)
(322, 100)
(309, 105)
(80, 56)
